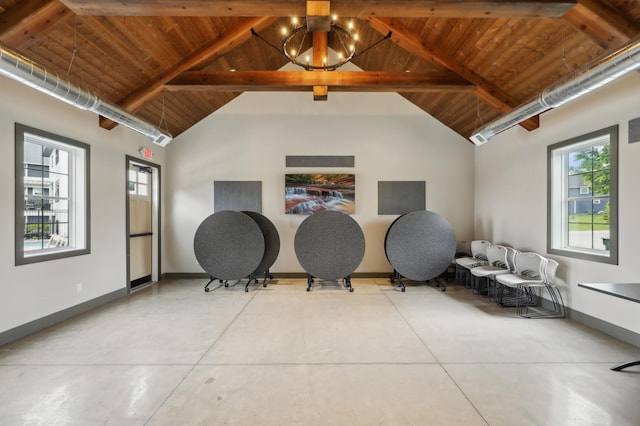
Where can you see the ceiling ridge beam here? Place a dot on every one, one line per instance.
(605, 25)
(21, 24)
(208, 53)
(372, 81)
(354, 8)
(484, 89)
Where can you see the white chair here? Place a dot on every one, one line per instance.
(501, 261)
(478, 258)
(536, 291)
(534, 273)
(529, 270)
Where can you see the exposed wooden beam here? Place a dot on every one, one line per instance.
(206, 54)
(484, 89)
(605, 25)
(21, 24)
(319, 21)
(293, 81)
(354, 8)
(320, 54)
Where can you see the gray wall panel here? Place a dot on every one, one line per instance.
(320, 161)
(237, 195)
(400, 197)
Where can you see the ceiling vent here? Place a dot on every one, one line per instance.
(584, 80)
(25, 71)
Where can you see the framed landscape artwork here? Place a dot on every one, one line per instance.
(313, 193)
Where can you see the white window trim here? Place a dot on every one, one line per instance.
(557, 175)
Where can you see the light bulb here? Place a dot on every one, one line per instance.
(340, 55)
(335, 17)
(284, 31)
(355, 37)
(294, 20)
(350, 25)
(293, 52)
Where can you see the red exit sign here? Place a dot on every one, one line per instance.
(146, 153)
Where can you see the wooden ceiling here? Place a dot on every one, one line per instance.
(170, 62)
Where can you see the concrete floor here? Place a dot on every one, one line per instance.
(171, 354)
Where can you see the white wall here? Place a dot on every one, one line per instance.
(30, 292)
(511, 193)
(249, 138)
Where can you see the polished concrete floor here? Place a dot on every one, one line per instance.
(172, 354)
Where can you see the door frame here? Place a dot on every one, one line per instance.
(156, 217)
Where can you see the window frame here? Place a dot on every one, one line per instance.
(556, 194)
(20, 204)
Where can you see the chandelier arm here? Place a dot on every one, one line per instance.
(388, 36)
(253, 32)
(304, 37)
(342, 42)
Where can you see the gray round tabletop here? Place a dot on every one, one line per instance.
(271, 241)
(420, 245)
(229, 245)
(329, 245)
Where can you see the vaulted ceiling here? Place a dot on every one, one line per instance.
(174, 62)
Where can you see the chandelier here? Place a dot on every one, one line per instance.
(302, 33)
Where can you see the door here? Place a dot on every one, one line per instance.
(141, 223)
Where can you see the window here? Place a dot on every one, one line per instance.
(52, 196)
(139, 180)
(583, 197)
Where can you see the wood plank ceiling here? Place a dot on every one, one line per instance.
(170, 62)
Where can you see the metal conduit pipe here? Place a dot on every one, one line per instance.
(25, 71)
(584, 80)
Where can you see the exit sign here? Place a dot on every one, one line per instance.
(146, 153)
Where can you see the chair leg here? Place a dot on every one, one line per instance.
(556, 311)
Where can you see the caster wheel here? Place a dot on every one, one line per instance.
(206, 290)
(403, 290)
(308, 288)
(264, 285)
(246, 290)
(255, 281)
(226, 284)
(350, 289)
(221, 281)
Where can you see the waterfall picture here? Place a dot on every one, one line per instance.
(312, 193)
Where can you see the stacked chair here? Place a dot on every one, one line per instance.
(523, 288)
(478, 258)
(512, 278)
(501, 260)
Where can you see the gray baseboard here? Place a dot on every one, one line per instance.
(40, 324)
(203, 275)
(185, 276)
(612, 330)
